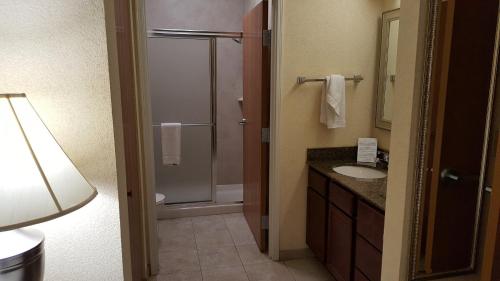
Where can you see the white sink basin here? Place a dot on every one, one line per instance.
(360, 172)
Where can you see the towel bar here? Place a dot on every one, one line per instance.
(190, 125)
(302, 79)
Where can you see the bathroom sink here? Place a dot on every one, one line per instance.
(360, 172)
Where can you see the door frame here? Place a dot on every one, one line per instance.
(140, 31)
(137, 235)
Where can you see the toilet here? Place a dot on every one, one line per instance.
(160, 199)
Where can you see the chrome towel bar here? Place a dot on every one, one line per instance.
(190, 125)
(302, 79)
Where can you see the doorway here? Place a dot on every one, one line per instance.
(208, 74)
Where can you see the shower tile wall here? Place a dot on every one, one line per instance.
(217, 15)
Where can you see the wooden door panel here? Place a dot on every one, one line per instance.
(491, 257)
(256, 93)
(460, 100)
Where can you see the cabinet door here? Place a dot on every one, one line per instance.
(316, 223)
(358, 276)
(340, 244)
(368, 259)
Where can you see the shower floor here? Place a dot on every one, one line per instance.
(229, 193)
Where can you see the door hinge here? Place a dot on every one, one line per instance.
(265, 135)
(265, 222)
(267, 36)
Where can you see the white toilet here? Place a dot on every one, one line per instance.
(160, 199)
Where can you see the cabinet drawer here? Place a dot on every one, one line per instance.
(358, 276)
(340, 244)
(318, 182)
(316, 223)
(370, 225)
(342, 198)
(368, 259)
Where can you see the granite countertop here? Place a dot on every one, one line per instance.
(371, 190)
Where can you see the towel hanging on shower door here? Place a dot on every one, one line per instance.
(171, 143)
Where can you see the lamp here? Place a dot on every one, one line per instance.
(38, 182)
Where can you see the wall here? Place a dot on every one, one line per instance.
(215, 15)
(56, 54)
(321, 37)
(403, 141)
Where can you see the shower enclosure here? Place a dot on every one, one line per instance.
(183, 83)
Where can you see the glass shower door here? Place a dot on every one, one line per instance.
(181, 92)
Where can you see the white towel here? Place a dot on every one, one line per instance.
(171, 143)
(333, 102)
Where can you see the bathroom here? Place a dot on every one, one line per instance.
(208, 130)
(346, 203)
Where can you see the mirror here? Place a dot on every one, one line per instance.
(387, 68)
(452, 166)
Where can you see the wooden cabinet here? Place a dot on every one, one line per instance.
(370, 225)
(358, 276)
(368, 259)
(342, 199)
(340, 244)
(369, 241)
(343, 231)
(316, 227)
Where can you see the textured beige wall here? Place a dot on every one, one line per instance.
(321, 37)
(403, 142)
(55, 52)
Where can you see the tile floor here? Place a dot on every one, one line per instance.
(221, 248)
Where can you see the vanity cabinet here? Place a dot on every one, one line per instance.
(316, 228)
(339, 244)
(343, 231)
(317, 214)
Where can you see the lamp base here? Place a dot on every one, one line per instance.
(21, 255)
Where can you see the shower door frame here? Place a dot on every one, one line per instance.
(211, 36)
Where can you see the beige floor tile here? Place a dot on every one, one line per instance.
(176, 242)
(216, 257)
(179, 261)
(233, 217)
(213, 239)
(240, 232)
(268, 271)
(181, 276)
(238, 227)
(308, 270)
(175, 227)
(235, 273)
(209, 224)
(251, 254)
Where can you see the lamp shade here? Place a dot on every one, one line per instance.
(38, 182)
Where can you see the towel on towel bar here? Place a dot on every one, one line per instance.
(333, 102)
(171, 143)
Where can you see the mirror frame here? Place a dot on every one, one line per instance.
(387, 17)
(432, 25)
